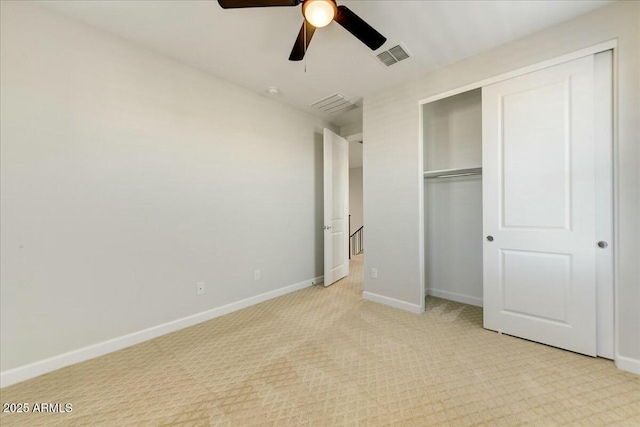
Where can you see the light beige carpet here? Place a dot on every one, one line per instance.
(325, 357)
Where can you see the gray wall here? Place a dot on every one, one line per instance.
(355, 198)
(128, 177)
(392, 172)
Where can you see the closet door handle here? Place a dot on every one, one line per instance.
(490, 238)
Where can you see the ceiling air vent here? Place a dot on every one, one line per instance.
(334, 104)
(395, 54)
(386, 58)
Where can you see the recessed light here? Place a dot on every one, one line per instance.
(273, 90)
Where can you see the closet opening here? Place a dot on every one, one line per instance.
(452, 169)
(517, 197)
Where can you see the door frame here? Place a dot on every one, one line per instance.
(591, 50)
(605, 204)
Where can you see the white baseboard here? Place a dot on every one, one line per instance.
(465, 299)
(396, 303)
(628, 364)
(23, 373)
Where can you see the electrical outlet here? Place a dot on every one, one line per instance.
(256, 275)
(200, 288)
(374, 273)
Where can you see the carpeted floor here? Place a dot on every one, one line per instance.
(325, 357)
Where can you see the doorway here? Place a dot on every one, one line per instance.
(343, 209)
(356, 215)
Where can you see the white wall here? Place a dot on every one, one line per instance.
(453, 238)
(453, 132)
(355, 154)
(128, 177)
(355, 198)
(392, 157)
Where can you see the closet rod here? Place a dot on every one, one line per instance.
(452, 173)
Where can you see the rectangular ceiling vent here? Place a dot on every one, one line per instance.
(394, 55)
(334, 104)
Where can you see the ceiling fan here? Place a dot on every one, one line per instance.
(317, 14)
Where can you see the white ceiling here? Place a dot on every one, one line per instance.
(250, 47)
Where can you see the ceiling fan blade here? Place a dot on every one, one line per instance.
(234, 4)
(356, 26)
(299, 48)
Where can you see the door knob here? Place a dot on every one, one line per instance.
(602, 244)
(490, 238)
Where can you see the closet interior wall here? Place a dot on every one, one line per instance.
(453, 204)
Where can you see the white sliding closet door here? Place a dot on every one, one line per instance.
(539, 206)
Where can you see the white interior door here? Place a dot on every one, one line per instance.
(336, 207)
(539, 206)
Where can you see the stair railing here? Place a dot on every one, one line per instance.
(355, 242)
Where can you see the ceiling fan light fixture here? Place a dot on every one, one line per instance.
(319, 13)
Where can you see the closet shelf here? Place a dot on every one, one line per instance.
(452, 173)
